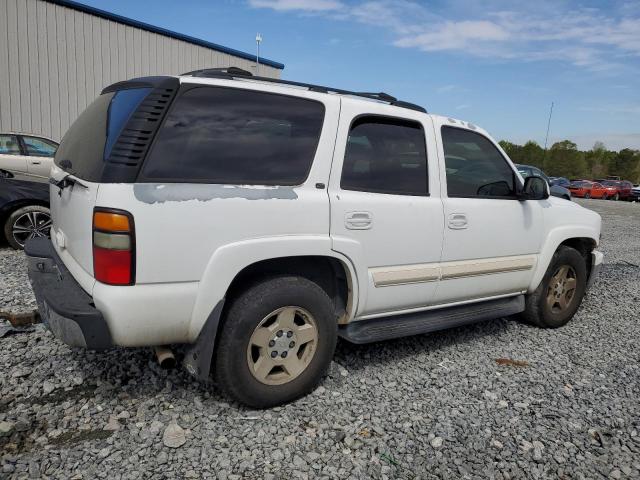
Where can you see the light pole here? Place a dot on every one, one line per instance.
(258, 41)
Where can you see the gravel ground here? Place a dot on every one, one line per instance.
(434, 406)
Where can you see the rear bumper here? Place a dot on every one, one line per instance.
(64, 306)
(596, 264)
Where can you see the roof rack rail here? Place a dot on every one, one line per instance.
(214, 72)
(235, 72)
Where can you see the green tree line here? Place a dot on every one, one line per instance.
(564, 159)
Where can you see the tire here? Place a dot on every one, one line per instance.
(587, 195)
(616, 197)
(538, 310)
(265, 308)
(25, 223)
(605, 197)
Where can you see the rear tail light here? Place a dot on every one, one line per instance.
(114, 255)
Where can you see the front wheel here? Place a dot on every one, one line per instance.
(587, 195)
(616, 197)
(277, 342)
(560, 293)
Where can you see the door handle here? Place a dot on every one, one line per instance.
(358, 220)
(35, 162)
(458, 221)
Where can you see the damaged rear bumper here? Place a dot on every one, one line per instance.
(64, 306)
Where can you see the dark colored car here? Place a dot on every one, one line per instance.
(556, 190)
(560, 181)
(24, 210)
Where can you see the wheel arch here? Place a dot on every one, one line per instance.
(233, 265)
(582, 239)
(245, 263)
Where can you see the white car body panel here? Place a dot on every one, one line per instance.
(192, 240)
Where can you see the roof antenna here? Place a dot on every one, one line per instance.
(547, 136)
(258, 42)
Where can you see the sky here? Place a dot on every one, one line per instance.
(496, 63)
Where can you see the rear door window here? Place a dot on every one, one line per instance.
(39, 147)
(9, 145)
(234, 136)
(385, 155)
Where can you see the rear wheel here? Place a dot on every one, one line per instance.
(587, 195)
(25, 223)
(605, 197)
(277, 342)
(560, 293)
(616, 197)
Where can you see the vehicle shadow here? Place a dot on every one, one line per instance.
(359, 357)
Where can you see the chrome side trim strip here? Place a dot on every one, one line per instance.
(486, 266)
(430, 272)
(387, 276)
(436, 306)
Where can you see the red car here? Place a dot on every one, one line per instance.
(623, 188)
(587, 189)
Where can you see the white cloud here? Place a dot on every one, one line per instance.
(546, 30)
(445, 88)
(455, 36)
(302, 5)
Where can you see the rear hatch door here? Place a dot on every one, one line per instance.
(84, 161)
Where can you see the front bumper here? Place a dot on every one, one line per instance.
(596, 264)
(64, 306)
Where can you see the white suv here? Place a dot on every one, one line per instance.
(254, 221)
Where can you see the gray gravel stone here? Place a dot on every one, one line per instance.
(174, 436)
(574, 407)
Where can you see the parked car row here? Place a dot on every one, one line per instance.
(603, 189)
(556, 189)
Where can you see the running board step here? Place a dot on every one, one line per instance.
(396, 326)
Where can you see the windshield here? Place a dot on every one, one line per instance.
(91, 137)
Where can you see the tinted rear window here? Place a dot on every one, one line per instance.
(234, 136)
(90, 138)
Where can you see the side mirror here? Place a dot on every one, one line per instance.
(535, 188)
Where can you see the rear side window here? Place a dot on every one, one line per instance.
(385, 155)
(9, 145)
(475, 167)
(90, 138)
(234, 136)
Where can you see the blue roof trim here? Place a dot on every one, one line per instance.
(162, 31)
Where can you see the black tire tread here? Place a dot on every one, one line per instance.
(8, 224)
(241, 318)
(534, 313)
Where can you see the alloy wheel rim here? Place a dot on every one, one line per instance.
(31, 225)
(282, 345)
(562, 289)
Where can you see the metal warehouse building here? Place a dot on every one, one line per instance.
(57, 55)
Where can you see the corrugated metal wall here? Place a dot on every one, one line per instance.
(55, 60)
